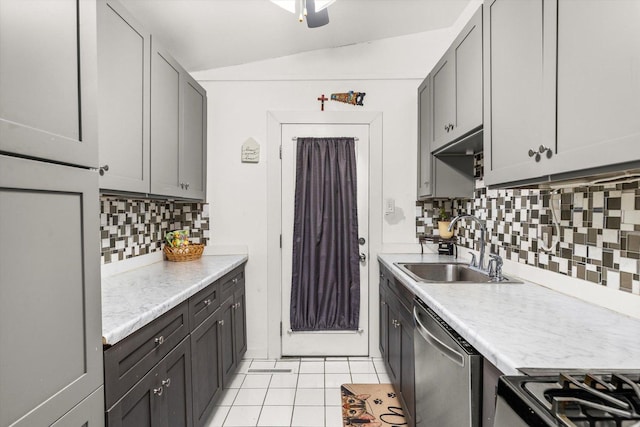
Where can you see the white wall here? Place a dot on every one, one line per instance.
(239, 97)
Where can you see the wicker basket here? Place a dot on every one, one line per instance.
(183, 253)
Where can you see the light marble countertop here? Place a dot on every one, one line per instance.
(134, 298)
(527, 325)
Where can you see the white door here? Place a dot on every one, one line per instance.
(324, 343)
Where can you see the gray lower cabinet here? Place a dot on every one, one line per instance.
(162, 397)
(48, 106)
(170, 372)
(490, 376)
(124, 55)
(50, 316)
(206, 346)
(88, 413)
(396, 339)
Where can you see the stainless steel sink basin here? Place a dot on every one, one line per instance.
(447, 273)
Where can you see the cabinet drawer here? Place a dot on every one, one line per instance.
(203, 304)
(230, 281)
(129, 360)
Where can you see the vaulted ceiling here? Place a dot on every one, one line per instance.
(204, 34)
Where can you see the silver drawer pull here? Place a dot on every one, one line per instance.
(221, 322)
(158, 391)
(207, 302)
(235, 280)
(159, 340)
(167, 382)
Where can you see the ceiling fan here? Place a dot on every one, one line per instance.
(315, 11)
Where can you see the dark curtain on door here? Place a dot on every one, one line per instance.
(325, 283)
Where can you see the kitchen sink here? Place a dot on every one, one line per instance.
(448, 273)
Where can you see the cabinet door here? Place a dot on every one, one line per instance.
(444, 101)
(598, 85)
(50, 316)
(193, 160)
(239, 323)
(227, 356)
(206, 345)
(424, 139)
(384, 325)
(142, 406)
(48, 80)
(395, 344)
(124, 85)
(518, 82)
(407, 368)
(468, 81)
(89, 413)
(166, 125)
(177, 386)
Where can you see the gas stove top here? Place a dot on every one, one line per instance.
(587, 399)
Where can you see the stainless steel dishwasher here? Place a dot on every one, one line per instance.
(448, 374)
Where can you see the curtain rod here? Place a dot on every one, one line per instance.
(295, 138)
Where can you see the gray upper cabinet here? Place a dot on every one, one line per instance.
(457, 86)
(517, 89)
(153, 114)
(166, 123)
(50, 111)
(51, 289)
(193, 159)
(424, 139)
(178, 129)
(598, 98)
(445, 177)
(124, 69)
(563, 96)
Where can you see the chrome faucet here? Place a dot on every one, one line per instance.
(483, 232)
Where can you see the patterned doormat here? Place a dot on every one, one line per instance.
(373, 405)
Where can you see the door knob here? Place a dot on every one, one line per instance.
(363, 257)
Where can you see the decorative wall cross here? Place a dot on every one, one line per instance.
(322, 99)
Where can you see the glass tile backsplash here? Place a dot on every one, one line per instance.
(599, 228)
(132, 227)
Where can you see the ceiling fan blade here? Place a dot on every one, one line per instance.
(316, 19)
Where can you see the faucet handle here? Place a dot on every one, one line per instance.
(495, 267)
(473, 262)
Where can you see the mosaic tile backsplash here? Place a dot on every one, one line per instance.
(599, 228)
(131, 227)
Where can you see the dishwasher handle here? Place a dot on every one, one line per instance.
(447, 351)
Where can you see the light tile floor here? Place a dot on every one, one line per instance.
(308, 396)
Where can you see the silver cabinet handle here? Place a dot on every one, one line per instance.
(186, 186)
(531, 153)
(207, 302)
(103, 169)
(221, 322)
(383, 302)
(235, 280)
(363, 257)
(158, 391)
(159, 340)
(166, 383)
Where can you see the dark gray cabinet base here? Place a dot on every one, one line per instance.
(396, 339)
(170, 372)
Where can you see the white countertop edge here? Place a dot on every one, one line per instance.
(125, 329)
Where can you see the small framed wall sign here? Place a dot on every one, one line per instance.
(250, 151)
